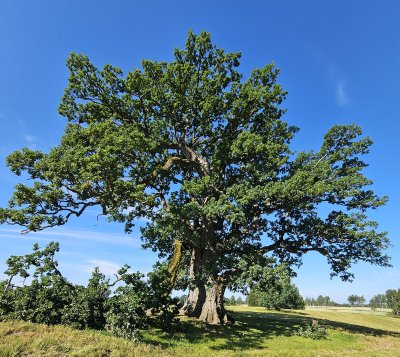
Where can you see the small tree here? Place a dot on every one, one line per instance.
(329, 301)
(232, 301)
(356, 300)
(320, 301)
(378, 301)
(361, 300)
(277, 292)
(87, 309)
(393, 300)
(352, 299)
(255, 298)
(309, 301)
(205, 155)
(239, 301)
(44, 299)
(287, 298)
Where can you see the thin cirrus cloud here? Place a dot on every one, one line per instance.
(31, 140)
(107, 267)
(81, 235)
(80, 250)
(342, 98)
(335, 77)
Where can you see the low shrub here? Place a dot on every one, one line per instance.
(52, 299)
(313, 331)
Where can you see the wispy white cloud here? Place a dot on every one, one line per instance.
(82, 235)
(107, 267)
(31, 140)
(342, 98)
(16, 233)
(334, 74)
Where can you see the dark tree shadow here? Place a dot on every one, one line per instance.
(253, 328)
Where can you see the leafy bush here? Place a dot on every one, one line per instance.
(52, 299)
(88, 306)
(164, 307)
(282, 296)
(126, 309)
(313, 331)
(7, 298)
(44, 299)
(126, 314)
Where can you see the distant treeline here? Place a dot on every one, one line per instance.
(389, 300)
(287, 296)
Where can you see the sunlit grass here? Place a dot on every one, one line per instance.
(27, 339)
(258, 332)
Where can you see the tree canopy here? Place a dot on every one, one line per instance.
(205, 155)
(378, 301)
(357, 300)
(393, 300)
(279, 294)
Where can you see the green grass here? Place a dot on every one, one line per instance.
(26, 339)
(258, 332)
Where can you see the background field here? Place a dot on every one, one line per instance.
(258, 332)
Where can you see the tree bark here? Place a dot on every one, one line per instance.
(205, 300)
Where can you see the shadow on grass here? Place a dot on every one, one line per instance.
(251, 330)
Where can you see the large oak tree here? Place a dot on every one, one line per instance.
(204, 154)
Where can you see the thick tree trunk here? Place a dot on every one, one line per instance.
(205, 300)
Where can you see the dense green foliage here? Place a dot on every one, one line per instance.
(232, 301)
(126, 313)
(357, 300)
(393, 300)
(313, 331)
(205, 155)
(49, 298)
(281, 294)
(88, 304)
(378, 301)
(287, 298)
(48, 293)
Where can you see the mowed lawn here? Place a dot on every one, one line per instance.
(258, 332)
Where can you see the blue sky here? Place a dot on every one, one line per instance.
(339, 62)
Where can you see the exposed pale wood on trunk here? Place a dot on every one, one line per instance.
(205, 299)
